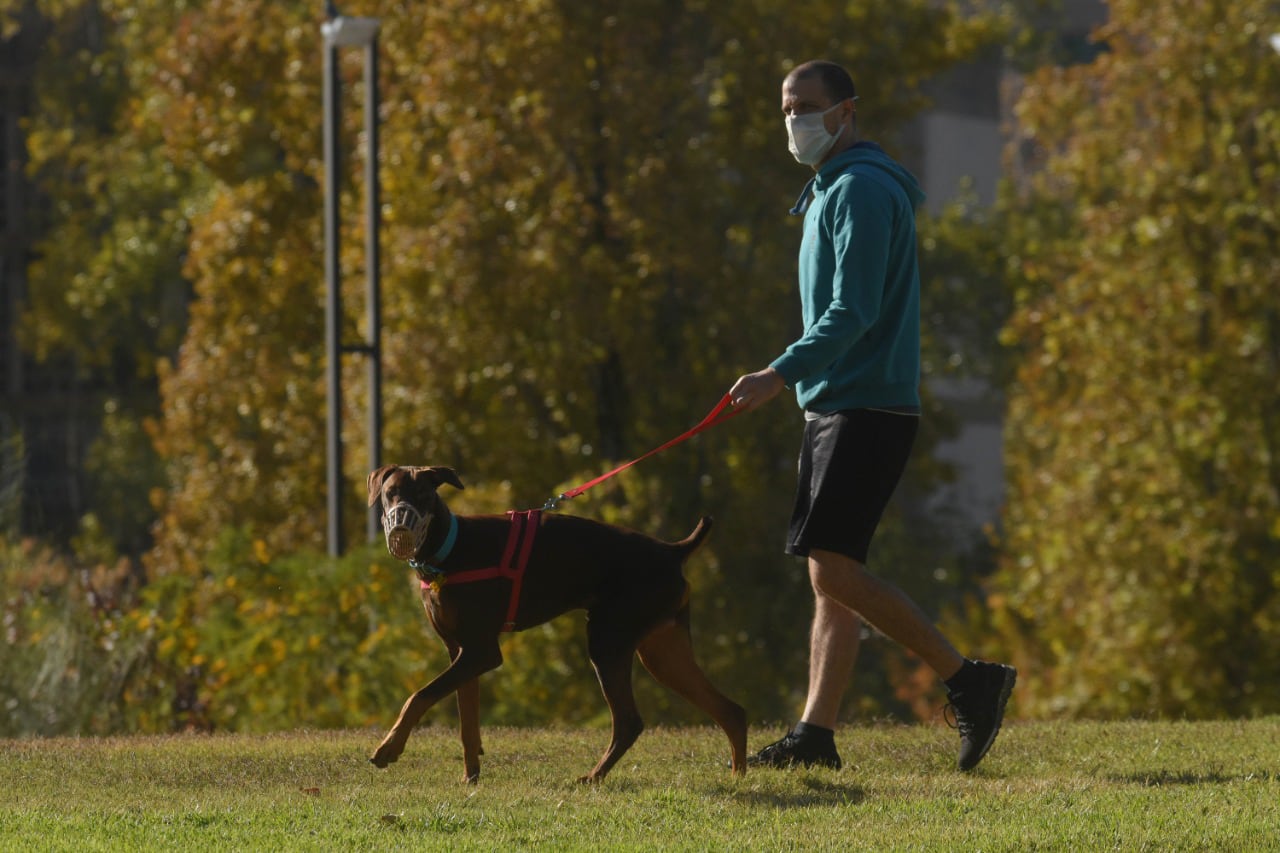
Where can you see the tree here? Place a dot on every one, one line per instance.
(106, 298)
(585, 243)
(1141, 549)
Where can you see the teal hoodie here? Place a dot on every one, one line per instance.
(859, 287)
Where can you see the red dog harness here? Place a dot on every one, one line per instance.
(524, 528)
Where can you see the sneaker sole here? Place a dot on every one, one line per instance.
(793, 764)
(1006, 689)
(796, 765)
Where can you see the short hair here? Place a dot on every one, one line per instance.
(836, 82)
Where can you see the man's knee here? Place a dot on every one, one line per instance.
(834, 575)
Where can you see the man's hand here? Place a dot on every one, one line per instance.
(756, 389)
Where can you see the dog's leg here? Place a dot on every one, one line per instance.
(611, 655)
(667, 652)
(471, 662)
(468, 722)
(469, 727)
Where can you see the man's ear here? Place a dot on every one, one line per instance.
(376, 479)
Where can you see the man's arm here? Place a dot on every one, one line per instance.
(862, 228)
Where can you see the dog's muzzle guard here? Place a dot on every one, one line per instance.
(406, 530)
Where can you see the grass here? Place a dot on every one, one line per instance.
(1050, 786)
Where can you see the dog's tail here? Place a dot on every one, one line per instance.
(687, 545)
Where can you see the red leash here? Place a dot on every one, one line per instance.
(717, 415)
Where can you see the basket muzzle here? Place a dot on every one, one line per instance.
(406, 530)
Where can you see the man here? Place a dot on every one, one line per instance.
(856, 375)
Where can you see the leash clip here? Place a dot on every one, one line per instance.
(553, 504)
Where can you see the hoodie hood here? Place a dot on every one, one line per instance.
(864, 156)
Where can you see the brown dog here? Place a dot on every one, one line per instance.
(631, 585)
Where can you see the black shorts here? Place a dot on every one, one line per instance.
(850, 463)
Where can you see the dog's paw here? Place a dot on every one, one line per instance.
(384, 756)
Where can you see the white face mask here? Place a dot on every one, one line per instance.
(807, 136)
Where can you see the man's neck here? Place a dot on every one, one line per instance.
(842, 145)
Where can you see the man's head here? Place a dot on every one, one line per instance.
(823, 91)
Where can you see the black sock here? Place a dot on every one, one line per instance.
(809, 731)
(963, 679)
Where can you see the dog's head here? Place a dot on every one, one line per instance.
(409, 503)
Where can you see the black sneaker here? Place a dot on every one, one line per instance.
(794, 749)
(979, 710)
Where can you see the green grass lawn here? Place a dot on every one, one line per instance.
(1083, 786)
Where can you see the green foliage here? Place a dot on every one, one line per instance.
(263, 642)
(966, 296)
(536, 168)
(580, 255)
(1142, 539)
(106, 300)
(12, 458)
(68, 653)
(122, 461)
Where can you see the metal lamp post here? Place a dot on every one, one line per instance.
(340, 31)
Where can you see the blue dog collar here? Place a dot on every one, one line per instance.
(446, 547)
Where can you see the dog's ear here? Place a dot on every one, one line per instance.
(439, 474)
(376, 479)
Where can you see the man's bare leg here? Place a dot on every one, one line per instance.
(979, 691)
(845, 580)
(833, 650)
